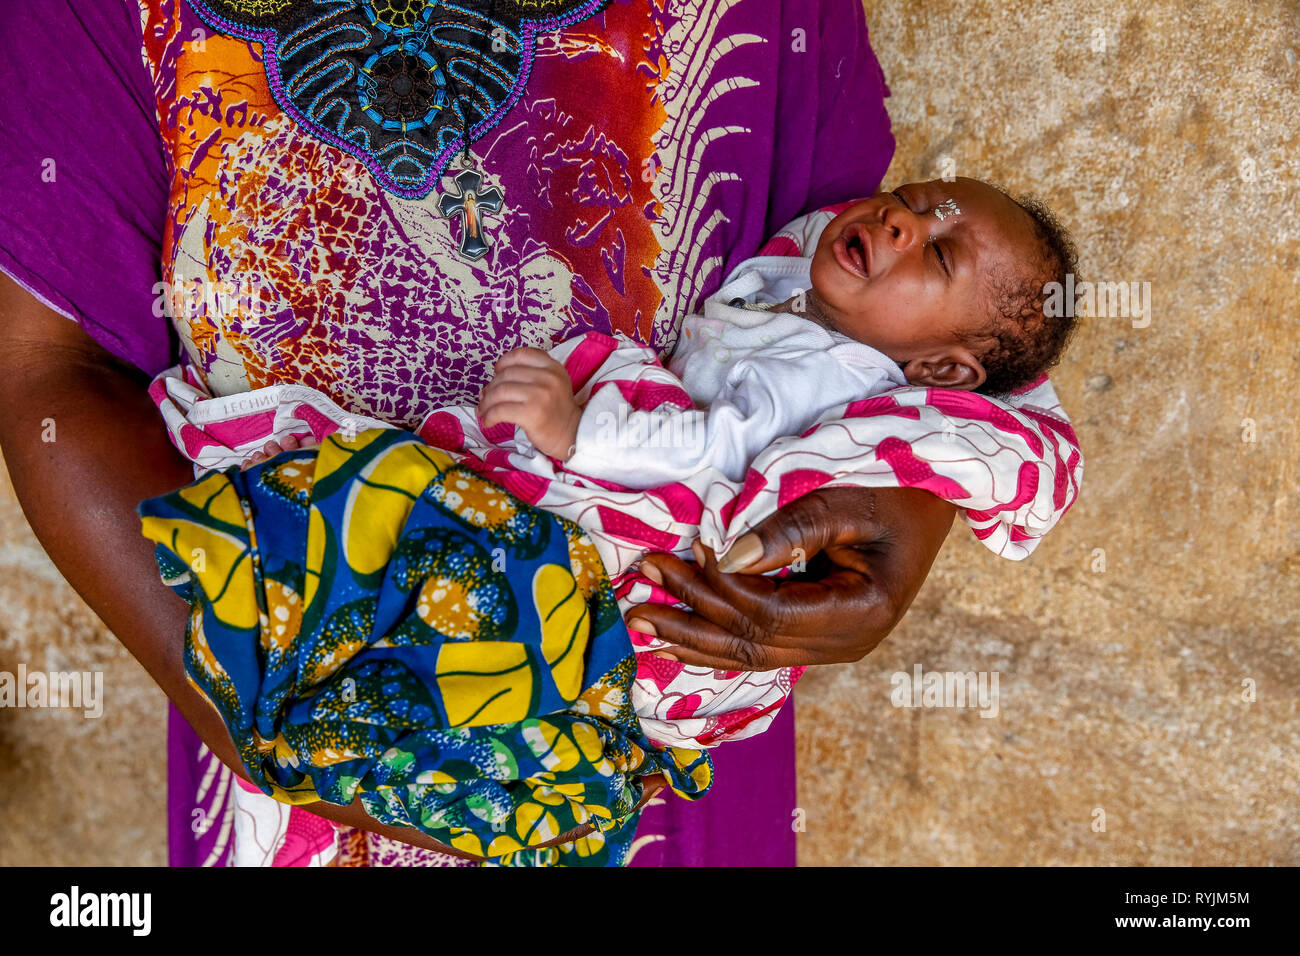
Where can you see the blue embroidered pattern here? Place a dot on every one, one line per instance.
(396, 83)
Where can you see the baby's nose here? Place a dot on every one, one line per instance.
(903, 227)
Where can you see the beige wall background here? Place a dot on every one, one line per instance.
(1164, 134)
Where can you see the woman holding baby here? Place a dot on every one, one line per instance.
(407, 210)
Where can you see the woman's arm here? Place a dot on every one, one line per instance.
(84, 445)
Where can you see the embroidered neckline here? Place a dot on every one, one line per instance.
(390, 100)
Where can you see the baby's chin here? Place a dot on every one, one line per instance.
(835, 287)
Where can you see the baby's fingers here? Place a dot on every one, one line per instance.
(517, 392)
(526, 357)
(516, 413)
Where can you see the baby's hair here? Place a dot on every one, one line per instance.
(1027, 342)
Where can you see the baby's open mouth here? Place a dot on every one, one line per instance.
(851, 251)
(856, 252)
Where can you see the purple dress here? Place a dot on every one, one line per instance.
(274, 196)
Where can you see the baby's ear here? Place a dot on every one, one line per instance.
(957, 368)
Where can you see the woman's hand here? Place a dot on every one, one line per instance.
(868, 552)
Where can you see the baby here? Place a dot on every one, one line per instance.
(936, 284)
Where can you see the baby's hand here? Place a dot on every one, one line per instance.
(532, 390)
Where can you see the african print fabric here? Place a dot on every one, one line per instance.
(372, 620)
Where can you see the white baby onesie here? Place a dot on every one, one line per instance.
(756, 375)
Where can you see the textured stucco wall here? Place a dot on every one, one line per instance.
(1119, 689)
(74, 790)
(1173, 155)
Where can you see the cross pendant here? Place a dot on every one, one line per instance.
(471, 202)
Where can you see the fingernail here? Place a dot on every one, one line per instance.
(742, 554)
(697, 549)
(642, 625)
(665, 655)
(650, 571)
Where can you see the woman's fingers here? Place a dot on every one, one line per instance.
(701, 642)
(778, 621)
(651, 785)
(751, 606)
(796, 532)
(691, 584)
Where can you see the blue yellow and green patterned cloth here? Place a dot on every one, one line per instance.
(371, 619)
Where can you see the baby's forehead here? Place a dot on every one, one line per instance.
(1000, 230)
(972, 199)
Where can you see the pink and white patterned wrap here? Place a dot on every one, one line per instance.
(222, 432)
(1013, 467)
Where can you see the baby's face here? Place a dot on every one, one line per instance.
(904, 270)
